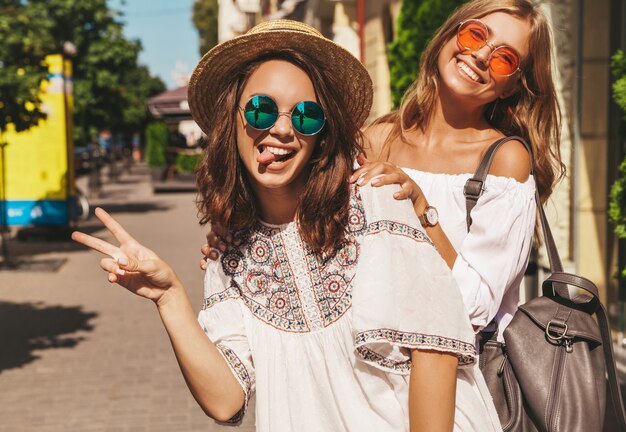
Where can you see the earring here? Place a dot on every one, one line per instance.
(493, 110)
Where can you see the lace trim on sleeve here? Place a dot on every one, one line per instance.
(366, 340)
(397, 228)
(245, 379)
(228, 293)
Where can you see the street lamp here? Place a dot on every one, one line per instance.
(68, 51)
(4, 225)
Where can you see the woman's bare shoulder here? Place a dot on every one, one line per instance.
(375, 137)
(511, 160)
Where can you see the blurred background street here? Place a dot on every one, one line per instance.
(94, 112)
(80, 354)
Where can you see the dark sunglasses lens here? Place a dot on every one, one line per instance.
(308, 118)
(472, 35)
(504, 61)
(261, 112)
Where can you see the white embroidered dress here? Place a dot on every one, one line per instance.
(325, 343)
(493, 255)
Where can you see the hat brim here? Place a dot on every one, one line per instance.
(221, 64)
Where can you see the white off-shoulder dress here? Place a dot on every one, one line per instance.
(324, 341)
(493, 255)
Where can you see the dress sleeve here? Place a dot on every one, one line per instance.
(404, 295)
(222, 320)
(494, 254)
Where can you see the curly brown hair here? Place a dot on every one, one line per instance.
(225, 195)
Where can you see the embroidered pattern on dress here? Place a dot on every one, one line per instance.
(229, 293)
(370, 356)
(463, 350)
(397, 228)
(245, 379)
(284, 283)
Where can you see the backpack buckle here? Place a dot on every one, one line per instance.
(473, 188)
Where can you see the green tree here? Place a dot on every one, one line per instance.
(138, 86)
(24, 41)
(205, 20)
(106, 73)
(417, 22)
(617, 200)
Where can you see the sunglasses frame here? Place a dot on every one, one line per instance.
(490, 45)
(287, 113)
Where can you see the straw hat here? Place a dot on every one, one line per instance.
(222, 63)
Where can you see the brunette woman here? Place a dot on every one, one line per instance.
(313, 305)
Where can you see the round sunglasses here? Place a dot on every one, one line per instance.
(261, 113)
(473, 34)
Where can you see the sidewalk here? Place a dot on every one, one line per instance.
(80, 354)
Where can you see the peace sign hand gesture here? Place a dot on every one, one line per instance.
(131, 265)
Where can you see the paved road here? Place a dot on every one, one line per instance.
(80, 354)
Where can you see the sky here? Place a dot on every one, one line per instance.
(169, 38)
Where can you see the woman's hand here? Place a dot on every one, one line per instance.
(384, 173)
(217, 241)
(131, 264)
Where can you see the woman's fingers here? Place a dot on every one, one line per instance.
(364, 168)
(222, 233)
(96, 244)
(146, 266)
(205, 249)
(403, 193)
(362, 160)
(111, 266)
(373, 171)
(112, 225)
(386, 179)
(215, 242)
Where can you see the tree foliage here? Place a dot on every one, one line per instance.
(417, 22)
(617, 198)
(25, 39)
(205, 20)
(618, 67)
(110, 87)
(106, 94)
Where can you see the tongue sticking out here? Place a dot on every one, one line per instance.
(266, 157)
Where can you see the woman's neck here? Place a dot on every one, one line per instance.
(277, 206)
(454, 120)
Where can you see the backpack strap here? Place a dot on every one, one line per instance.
(475, 186)
(558, 281)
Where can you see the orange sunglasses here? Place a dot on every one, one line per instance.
(473, 34)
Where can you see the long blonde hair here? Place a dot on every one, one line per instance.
(532, 112)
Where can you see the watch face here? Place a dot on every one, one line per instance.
(431, 216)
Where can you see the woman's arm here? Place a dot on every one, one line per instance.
(436, 233)
(206, 373)
(142, 272)
(432, 391)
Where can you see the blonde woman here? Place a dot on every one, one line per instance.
(486, 74)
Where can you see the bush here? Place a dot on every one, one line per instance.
(617, 202)
(157, 137)
(187, 163)
(417, 23)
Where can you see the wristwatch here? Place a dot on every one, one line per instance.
(430, 217)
